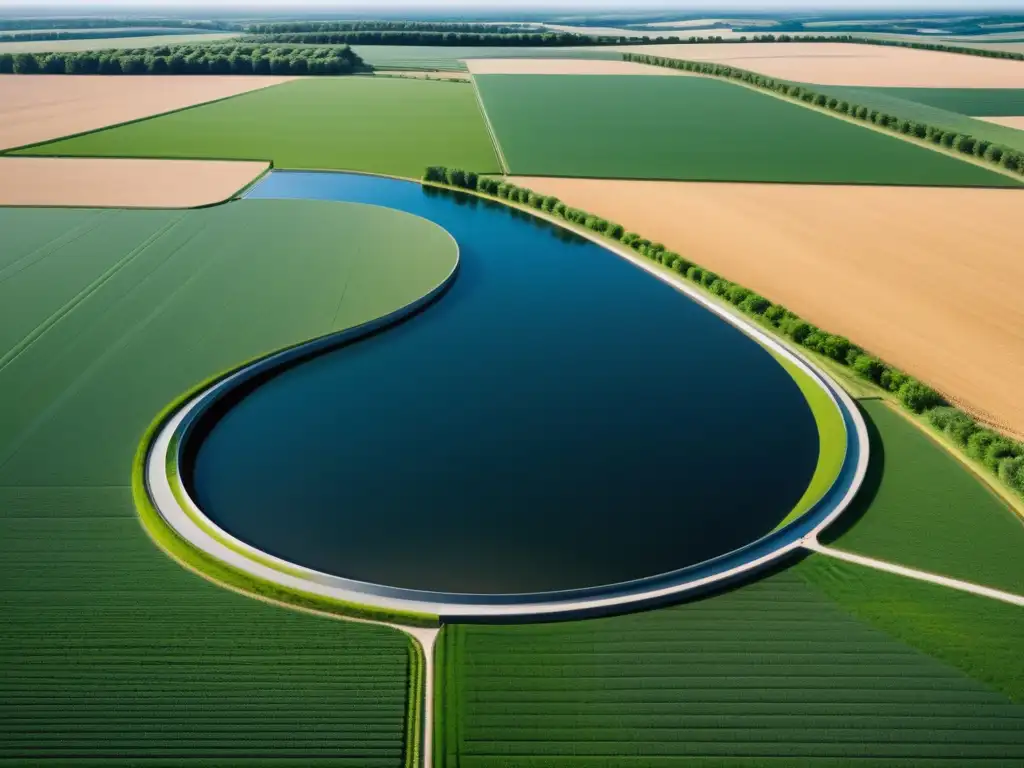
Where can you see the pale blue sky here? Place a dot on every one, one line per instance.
(684, 7)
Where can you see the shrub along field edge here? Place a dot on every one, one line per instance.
(1001, 455)
(1004, 158)
(209, 567)
(183, 59)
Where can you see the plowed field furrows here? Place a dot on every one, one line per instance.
(698, 129)
(977, 635)
(111, 653)
(772, 673)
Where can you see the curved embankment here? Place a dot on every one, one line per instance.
(840, 469)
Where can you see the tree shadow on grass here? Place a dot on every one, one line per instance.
(868, 490)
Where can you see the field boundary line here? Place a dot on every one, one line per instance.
(490, 127)
(813, 545)
(67, 137)
(924, 143)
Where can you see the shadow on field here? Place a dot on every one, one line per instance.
(868, 489)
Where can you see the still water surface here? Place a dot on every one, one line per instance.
(557, 419)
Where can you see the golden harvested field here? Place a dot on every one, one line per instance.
(36, 108)
(121, 183)
(852, 64)
(564, 67)
(928, 279)
(1009, 122)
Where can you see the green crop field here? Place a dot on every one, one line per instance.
(450, 57)
(895, 102)
(700, 129)
(113, 654)
(979, 636)
(967, 101)
(348, 123)
(770, 674)
(922, 508)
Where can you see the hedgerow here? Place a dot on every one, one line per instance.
(192, 59)
(1002, 456)
(1004, 157)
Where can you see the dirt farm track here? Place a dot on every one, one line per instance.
(927, 279)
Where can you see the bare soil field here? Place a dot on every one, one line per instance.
(121, 183)
(935, 293)
(852, 64)
(1009, 122)
(564, 67)
(36, 108)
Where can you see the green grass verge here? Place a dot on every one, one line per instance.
(831, 439)
(920, 507)
(770, 674)
(980, 636)
(414, 712)
(700, 129)
(114, 653)
(380, 125)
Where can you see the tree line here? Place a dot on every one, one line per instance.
(467, 39)
(996, 154)
(280, 27)
(234, 59)
(96, 22)
(945, 48)
(88, 34)
(1002, 456)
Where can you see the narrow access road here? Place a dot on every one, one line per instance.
(812, 544)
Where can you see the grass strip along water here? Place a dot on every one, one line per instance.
(1008, 160)
(113, 646)
(1003, 456)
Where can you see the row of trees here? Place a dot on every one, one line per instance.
(188, 60)
(1003, 457)
(102, 22)
(467, 39)
(945, 48)
(89, 34)
(1005, 157)
(279, 27)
